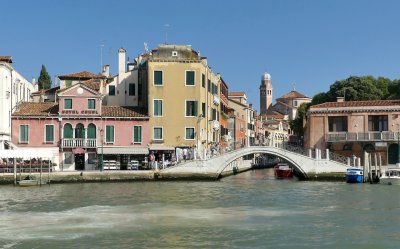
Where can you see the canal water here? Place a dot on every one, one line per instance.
(249, 210)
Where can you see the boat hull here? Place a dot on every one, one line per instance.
(283, 171)
(389, 181)
(355, 175)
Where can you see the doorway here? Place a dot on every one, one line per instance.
(393, 153)
(79, 161)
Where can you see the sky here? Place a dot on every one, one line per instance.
(302, 44)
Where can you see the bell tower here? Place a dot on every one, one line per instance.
(265, 93)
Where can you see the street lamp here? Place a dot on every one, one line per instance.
(398, 145)
(101, 156)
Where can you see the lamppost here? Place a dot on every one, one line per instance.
(398, 145)
(101, 156)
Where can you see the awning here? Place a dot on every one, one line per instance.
(161, 147)
(123, 150)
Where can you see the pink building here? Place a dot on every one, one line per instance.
(85, 132)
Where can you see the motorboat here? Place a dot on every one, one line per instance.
(354, 175)
(29, 182)
(391, 176)
(282, 170)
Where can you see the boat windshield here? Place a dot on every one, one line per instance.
(392, 173)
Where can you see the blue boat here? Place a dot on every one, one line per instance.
(354, 175)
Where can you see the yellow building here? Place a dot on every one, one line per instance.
(183, 100)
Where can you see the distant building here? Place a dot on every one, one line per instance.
(289, 103)
(14, 89)
(265, 93)
(352, 127)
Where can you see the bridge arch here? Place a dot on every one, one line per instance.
(230, 157)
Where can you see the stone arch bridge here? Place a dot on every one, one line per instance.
(307, 164)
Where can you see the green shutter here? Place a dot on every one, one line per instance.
(109, 133)
(158, 79)
(111, 90)
(49, 133)
(24, 132)
(91, 131)
(190, 78)
(67, 103)
(195, 111)
(137, 134)
(67, 131)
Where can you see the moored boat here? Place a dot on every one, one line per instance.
(282, 170)
(391, 176)
(354, 175)
(29, 182)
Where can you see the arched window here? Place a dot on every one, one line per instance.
(79, 131)
(91, 133)
(68, 133)
(369, 148)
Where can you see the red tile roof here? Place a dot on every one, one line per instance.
(365, 103)
(123, 111)
(83, 75)
(37, 109)
(49, 91)
(293, 95)
(236, 93)
(6, 59)
(93, 84)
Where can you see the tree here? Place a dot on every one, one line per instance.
(44, 80)
(297, 124)
(357, 88)
(320, 98)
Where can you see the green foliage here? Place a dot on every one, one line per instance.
(44, 80)
(357, 88)
(297, 124)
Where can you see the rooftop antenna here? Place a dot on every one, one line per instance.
(146, 48)
(294, 86)
(166, 32)
(101, 55)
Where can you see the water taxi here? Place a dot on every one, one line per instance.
(391, 176)
(354, 175)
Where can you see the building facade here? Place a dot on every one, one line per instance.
(85, 134)
(14, 89)
(352, 127)
(183, 100)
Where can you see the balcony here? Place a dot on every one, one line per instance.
(362, 136)
(78, 142)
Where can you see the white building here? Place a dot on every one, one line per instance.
(123, 88)
(14, 89)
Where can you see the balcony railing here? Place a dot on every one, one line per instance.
(79, 142)
(362, 136)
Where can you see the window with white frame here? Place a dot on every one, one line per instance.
(49, 133)
(191, 108)
(189, 133)
(137, 134)
(157, 107)
(68, 104)
(158, 133)
(109, 133)
(190, 78)
(158, 77)
(24, 133)
(91, 104)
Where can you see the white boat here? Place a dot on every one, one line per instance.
(391, 176)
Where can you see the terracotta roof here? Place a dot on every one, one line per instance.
(6, 59)
(123, 111)
(364, 103)
(236, 93)
(93, 84)
(83, 75)
(50, 91)
(293, 95)
(37, 109)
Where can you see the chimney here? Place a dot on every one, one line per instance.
(121, 60)
(340, 99)
(106, 70)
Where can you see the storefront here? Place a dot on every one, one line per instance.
(121, 158)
